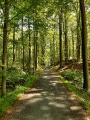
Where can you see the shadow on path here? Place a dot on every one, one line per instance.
(48, 100)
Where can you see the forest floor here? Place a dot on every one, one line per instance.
(48, 99)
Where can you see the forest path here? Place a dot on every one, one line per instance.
(48, 99)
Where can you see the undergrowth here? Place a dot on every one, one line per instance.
(76, 77)
(9, 99)
(74, 81)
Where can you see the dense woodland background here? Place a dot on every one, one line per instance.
(38, 34)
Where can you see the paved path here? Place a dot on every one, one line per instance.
(49, 99)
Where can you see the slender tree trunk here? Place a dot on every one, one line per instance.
(69, 47)
(23, 45)
(4, 55)
(29, 45)
(51, 56)
(54, 49)
(14, 44)
(72, 43)
(60, 37)
(86, 84)
(43, 51)
(66, 42)
(16, 52)
(34, 52)
(7, 51)
(78, 33)
(37, 55)
(14, 41)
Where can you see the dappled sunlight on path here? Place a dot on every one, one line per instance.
(49, 99)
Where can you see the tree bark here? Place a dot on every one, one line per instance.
(43, 51)
(51, 55)
(78, 33)
(60, 37)
(72, 43)
(66, 42)
(86, 84)
(14, 44)
(34, 52)
(23, 45)
(4, 55)
(29, 45)
(54, 49)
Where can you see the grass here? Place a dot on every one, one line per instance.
(73, 79)
(74, 83)
(9, 99)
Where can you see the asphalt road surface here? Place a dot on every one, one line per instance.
(48, 99)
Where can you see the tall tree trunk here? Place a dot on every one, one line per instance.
(51, 56)
(66, 42)
(34, 52)
(60, 37)
(16, 52)
(54, 49)
(14, 44)
(23, 45)
(7, 51)
(72, 44)
(86, 84)
(78, 33)
(43, 51)
(4, 55)
(69, 47)
(37, 55)
(29, 45)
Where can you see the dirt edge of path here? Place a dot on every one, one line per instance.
(73, 94)
(20, 98)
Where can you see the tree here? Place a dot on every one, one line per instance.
(29, 45)
(78, 32)
(86, 84)
(66, 41)
(14, 44)
(23, 46)
(4, 55)
(60, 37)
(72, 42)
(54, 48)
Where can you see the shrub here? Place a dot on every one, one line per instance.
(76, 77)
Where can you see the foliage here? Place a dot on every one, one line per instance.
(76, 77)
(15, 77)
